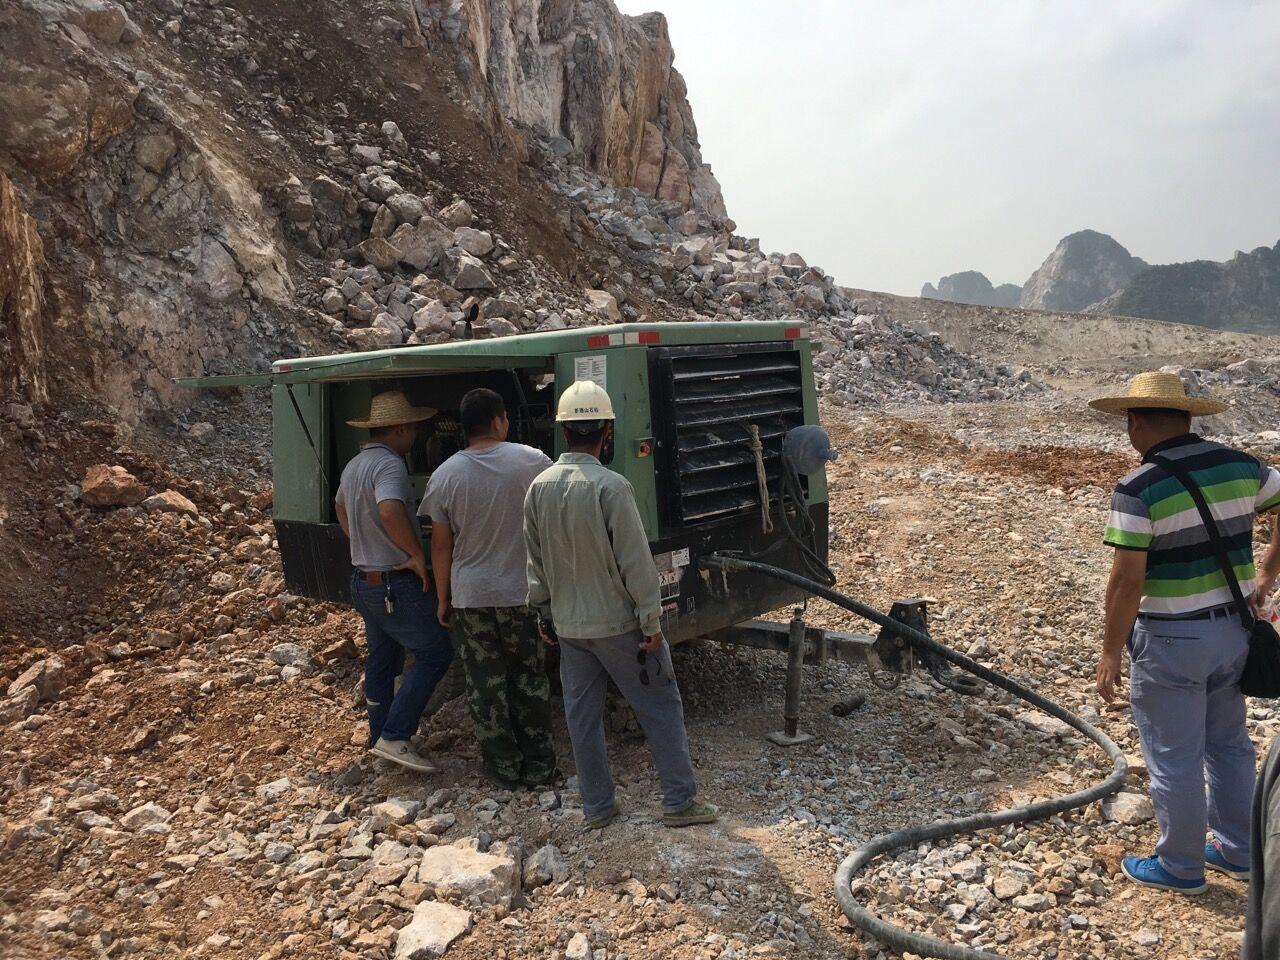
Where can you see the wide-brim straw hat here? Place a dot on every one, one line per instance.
(391, 409)
(1158, 390)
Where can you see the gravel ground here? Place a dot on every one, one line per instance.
(193, 783)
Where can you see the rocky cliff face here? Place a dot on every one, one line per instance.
(1242, 294)
(970, 286)
(156, 252)
(219, 183)
(23, 317)
(581, 71)
(1084, 268)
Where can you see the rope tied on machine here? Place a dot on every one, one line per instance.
(762, 478)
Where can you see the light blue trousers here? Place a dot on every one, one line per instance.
(1186, 698)
(586, 666)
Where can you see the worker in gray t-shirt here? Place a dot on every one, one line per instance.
(389, 585)
(476, 505)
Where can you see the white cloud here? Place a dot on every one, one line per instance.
(893, 142)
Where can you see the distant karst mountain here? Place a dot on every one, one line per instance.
(970, 286)
(1089, 272)
(1084, 268)
(1242, 294)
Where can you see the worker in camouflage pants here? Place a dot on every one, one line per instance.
(475, 501)
(511, 708)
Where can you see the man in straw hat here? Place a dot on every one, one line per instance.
(1168, 601)
(390, 588)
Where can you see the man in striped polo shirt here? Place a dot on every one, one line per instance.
(1168, 601)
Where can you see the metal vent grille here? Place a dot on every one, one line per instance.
(713, 395)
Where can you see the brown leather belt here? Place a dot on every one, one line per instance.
(376, 577)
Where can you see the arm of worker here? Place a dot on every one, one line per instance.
(1129, 531)
(1268, 502)
(1124, 595)
(539, 596)
(442, 567)
(340, 508)
(635, 562)
(435, 507)
(395, 520)
(393, 493)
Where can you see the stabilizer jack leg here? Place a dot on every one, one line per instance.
(790, 734)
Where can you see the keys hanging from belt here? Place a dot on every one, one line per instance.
(391, 607)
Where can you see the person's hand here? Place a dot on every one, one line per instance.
(1262, 591)
(1108, 673)
(651, 643)
(442, 612)
(547, 632)
(418, 565)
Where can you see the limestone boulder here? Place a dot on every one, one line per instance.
(421, 245)
(457, 214)
(46, 677)
(111, 486)
(470, 274)
(101, 19)
(406, 207)
(431, 930)
(144, 816)
(1128, 808)
(458, 871)
(170, 501)
(475, 242)
(603, 305)
(547, 865)
(380, 252)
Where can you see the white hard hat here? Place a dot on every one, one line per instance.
(584, 400)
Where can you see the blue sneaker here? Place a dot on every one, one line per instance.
(1214, 860)
(1147, 872)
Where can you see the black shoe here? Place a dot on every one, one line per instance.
(547, 780)
(498, 780)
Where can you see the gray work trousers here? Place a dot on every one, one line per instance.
(586, 666)
(1185, 691)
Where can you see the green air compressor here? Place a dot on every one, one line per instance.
(703, 410)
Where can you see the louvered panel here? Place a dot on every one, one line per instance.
(715, 396)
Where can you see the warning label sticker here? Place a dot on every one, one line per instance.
(592, 368)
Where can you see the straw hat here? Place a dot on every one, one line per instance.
(1163, 391)
(391, 409)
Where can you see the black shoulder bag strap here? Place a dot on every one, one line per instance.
(1215, 538)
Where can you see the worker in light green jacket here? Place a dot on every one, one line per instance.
(593, 582)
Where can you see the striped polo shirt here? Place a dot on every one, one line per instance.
(1152, 511)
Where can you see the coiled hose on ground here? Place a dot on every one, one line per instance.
(853, 864)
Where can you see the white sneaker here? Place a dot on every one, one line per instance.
(402, 752)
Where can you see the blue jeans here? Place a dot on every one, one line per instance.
(1185, 691)
(411, 625)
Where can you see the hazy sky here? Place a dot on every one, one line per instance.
(894, 142)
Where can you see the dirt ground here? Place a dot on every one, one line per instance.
(170, 698)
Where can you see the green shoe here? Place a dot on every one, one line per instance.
(600, 821)
(694, 812)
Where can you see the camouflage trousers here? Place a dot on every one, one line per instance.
(508, 692)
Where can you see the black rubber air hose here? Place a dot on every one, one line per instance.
(853, 864)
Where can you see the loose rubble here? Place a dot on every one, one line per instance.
(200, 761)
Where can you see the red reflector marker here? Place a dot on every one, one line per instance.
(649, 336)
(791, 333)
(598, 340)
